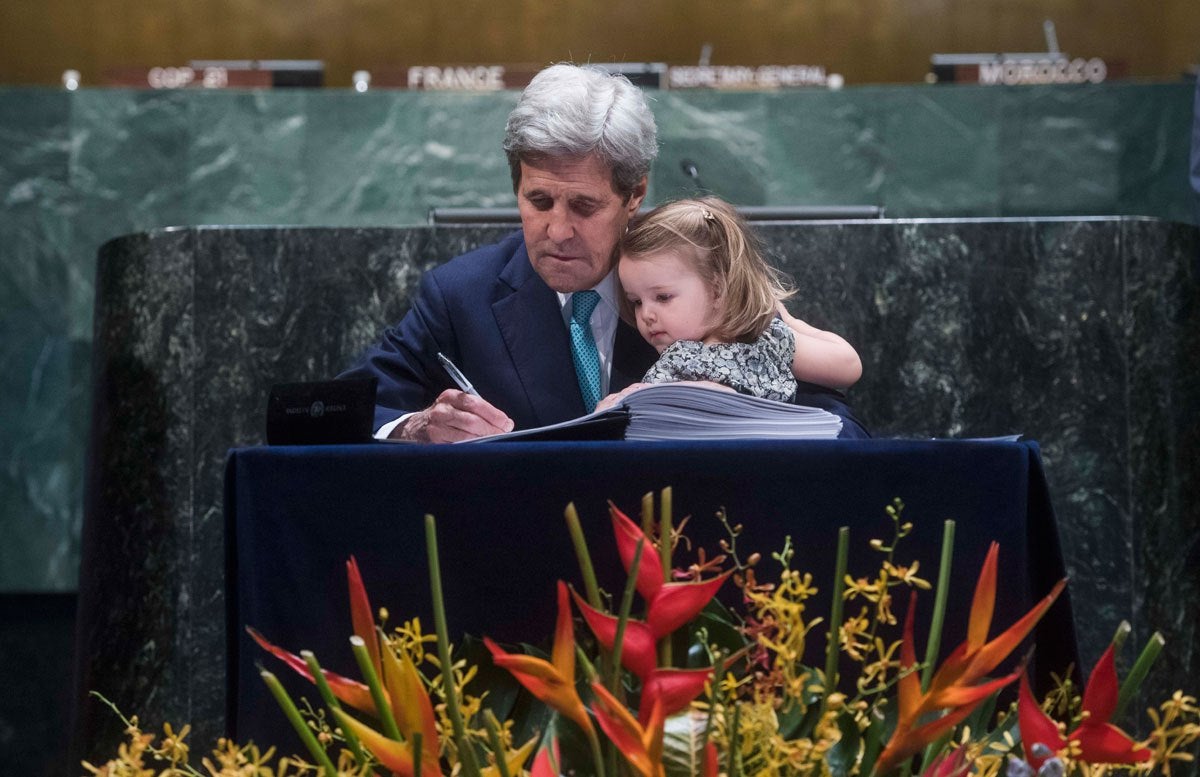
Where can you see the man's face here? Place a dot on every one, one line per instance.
(572, 219)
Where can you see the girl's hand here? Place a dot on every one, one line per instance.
(821, 357)
(615, 399)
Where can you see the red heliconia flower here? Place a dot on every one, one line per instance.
(952, 687)
(677, 603)
(1099, 741)
(628, 534)
(669, 605)
(672, 689)
(637, 643)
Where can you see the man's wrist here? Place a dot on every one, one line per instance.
(413, 427)
(396, 429)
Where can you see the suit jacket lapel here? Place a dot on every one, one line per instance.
(530, 321)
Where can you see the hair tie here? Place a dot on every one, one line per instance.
(707, 214)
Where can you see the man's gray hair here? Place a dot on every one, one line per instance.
(574, 110)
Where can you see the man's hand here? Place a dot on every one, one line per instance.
(454, 416)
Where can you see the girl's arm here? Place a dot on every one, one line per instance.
(822, 357)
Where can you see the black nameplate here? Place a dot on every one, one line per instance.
(328, 412)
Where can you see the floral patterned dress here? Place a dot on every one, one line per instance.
(762, 368)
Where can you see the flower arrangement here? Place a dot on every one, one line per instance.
(683, 686)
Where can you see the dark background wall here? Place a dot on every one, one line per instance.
(77, 169)
(868, 41)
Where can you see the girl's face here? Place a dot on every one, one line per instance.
(669, 299)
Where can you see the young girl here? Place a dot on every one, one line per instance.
(701, 293)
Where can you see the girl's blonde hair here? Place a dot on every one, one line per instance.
(726, 255)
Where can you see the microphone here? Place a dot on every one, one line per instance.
(691, 171)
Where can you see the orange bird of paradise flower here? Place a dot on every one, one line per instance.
(641, 742)
(641, 745)
(397, 756)
(1099, 741)
(953, 686)
(553, 681)
(404, 690)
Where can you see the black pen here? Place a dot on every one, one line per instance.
(456, 375)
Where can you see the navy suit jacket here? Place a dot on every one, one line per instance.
(494, 317)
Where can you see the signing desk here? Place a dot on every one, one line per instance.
(294, 515)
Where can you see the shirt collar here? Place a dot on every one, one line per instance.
(606, 288)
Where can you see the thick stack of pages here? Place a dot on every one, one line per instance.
(686, 411)
(681, 411)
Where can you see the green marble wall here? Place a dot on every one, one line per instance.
(79, 168)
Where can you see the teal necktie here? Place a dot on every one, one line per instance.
(583, 347)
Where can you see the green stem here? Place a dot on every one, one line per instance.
(585, 665)
(584, 557)
(939, 605)
(116, 710)
(466, 753)
(614, 682)
(718, 676)
(664, 537)
(597, 758)
(664, 551)
(1120, 635)
(332, 702)
(833, 646)
(377, 694)
(182, 768)
(293, 715)
(647, 513)
(731, 766)
(417, 751)
(1133, 681)
(493, 730)
(589, 673)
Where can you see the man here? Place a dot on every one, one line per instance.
(512, 316)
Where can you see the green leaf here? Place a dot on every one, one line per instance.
(573, 746)
(883, 723)
(505, 697)
(721, 627)
(980, 721)
(794, 719)
(799, 718)
(843, 756)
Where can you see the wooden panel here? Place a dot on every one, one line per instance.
(869, 41)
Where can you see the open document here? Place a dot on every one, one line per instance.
(686, 411)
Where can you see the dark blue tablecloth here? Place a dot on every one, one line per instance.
(295, 515)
